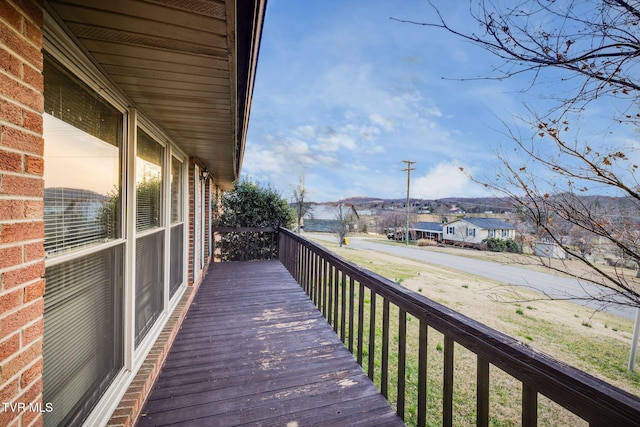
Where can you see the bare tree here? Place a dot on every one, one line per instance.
(555, 174)
(343, 222)
(300, 203)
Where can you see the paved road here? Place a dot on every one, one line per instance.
(555, 286)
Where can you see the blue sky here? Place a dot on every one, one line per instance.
(343, 94)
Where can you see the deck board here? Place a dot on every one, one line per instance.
(254, 350)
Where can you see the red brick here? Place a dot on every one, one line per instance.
(32, 121)
(34, 209)
(32, 394)
(10, 161)
(14, 321)
(11, 15)
(31, 374)
(9, 346)
(10, 64)
(11, 209)
(34, 165)
(9, 112)
(9, 391)
(10, 256)
(22, 275)
(21, 231)
(33, 332)
(7, 417)
(33, 77)
(10, 367)
(34, 251)
(10, 300)
(33, 34)
(17, 185)
(20, 92)
(34, 291)
(31, 52)
(22, 141)
(32, 10)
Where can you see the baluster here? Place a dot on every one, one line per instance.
(351, 311)
(402, 360)
(336, 302)
(529, 406)
(447, 390)
(385, 348)
(422, 374)
(360, 321)
(343, 325)
(372, 335)
(482, 394)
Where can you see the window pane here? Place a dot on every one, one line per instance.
(148, 182)
(176, 258)
(149, 282)
(176, 190)
(82, 152)
(82, 333)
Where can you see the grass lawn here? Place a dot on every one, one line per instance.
(597, 343)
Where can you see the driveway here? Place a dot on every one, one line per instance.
(549, 284)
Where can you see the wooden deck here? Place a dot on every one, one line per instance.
(254, 350)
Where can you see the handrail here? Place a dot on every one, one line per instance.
(331, 282)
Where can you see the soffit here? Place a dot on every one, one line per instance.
(176, 60)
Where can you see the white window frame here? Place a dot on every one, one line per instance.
(60, 46)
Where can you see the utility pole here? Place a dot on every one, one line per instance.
(408, 170)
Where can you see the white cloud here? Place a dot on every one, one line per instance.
(445, 180)
(385, 123)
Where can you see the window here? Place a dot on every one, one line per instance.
(150, 247)
(451, 230)
(492, 233)
(149, 282)
(82, 152)
(176, 191)
(148, 182)
(83, 332)
(471, 232)
(177, 228)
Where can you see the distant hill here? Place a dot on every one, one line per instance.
(468, 204)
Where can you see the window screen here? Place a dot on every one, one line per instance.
(83, 139)
(82, 333)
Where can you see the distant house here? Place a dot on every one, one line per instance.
(428, 230)
(550, 250)
(472, 231)
(324, 218)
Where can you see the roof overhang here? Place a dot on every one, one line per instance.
(187, 65)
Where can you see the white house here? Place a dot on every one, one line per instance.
(473, 231)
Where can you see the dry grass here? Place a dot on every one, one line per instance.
(556, 328)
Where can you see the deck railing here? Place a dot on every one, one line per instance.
(376, 319)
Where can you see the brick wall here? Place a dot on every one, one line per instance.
(21, 213)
